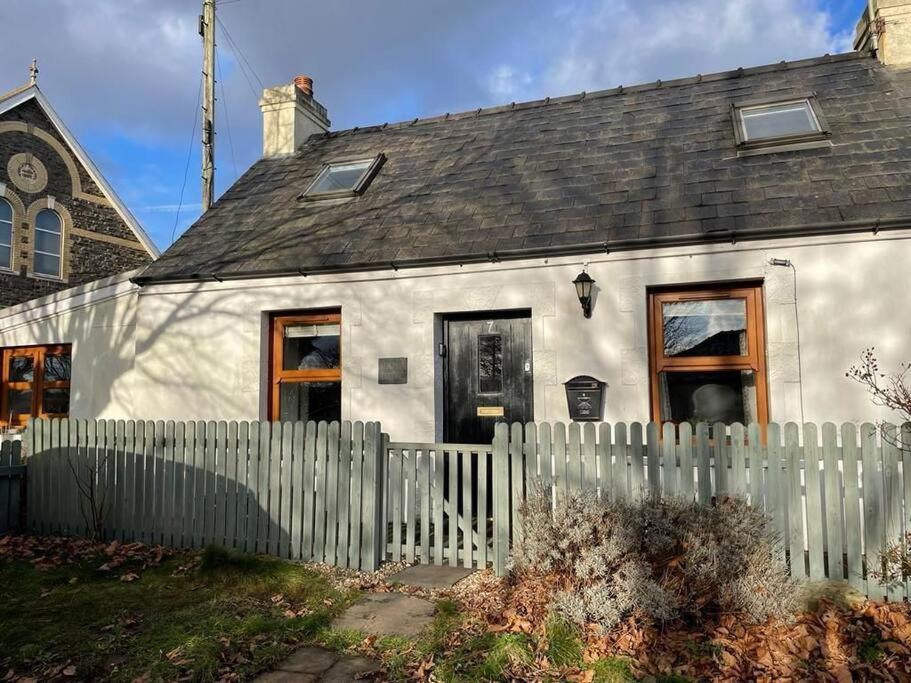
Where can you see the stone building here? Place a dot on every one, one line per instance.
(61, 223)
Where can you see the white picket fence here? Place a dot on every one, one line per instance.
(300, 491)
(343, 494)
(836, 495)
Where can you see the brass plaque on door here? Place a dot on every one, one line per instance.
(490, 411)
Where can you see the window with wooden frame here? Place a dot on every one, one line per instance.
(707, 355)
(306, 367)
(34, 382)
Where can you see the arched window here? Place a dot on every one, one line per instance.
(6, 234)
(48, 243)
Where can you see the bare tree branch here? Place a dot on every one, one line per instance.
(887, 390)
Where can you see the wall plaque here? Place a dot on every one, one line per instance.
(27, 173)
(490, 411)
(392, 371)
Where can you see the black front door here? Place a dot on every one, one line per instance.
(488, 374)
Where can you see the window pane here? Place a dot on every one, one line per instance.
(490, 363)
(48, 220)
(310, 401)
(6, 233)
(21, 369)
(719, 396)
(47, 265)
(47, 242)
(340, 177)
(705, 328)
(56, 401)
(777, 120)
(6, 211)
(20, 402)
(57, 368)
(311, 347)
(6, 257)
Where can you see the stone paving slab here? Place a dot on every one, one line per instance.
(431, 576)
(316, 665)
(387, 614)
(310, 660)
(349, 669)
(279, 676)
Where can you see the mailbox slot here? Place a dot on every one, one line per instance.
(585, 398)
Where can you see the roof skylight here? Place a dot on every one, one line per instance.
(777, 120)
(343, 178)
(773, 123)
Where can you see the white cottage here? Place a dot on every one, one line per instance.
(719, 247)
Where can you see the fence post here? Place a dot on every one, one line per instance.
(373, 535)
(501, 495)
(31, 497)
(12, 484)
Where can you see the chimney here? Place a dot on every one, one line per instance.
(290, 116)
(890, 32)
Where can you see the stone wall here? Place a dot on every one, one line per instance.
(38, 170)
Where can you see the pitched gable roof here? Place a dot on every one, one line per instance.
(624, 168)
(19, 96)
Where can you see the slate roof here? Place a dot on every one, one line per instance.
(630, 167)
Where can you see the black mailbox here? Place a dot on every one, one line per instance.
(585, 398)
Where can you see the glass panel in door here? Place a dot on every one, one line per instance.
(490, 363)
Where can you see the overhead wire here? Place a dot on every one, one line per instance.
(186, 169)
(245, 67)
(224, 107)
(242, 60)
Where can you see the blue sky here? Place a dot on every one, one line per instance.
(124, 74)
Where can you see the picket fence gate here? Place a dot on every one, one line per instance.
(344, 494)
(436, 508)
(12, 477)
(294, 490)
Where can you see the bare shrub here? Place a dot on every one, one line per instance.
(662, 558)
(895, 563)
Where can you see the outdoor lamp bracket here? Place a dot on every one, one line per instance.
(584, 284)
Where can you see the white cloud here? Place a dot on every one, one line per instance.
(506, 82)
(605, 43)
(124, 74)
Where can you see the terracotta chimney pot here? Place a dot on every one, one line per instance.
(304, 84)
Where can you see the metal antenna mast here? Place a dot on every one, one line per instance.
(207, 31)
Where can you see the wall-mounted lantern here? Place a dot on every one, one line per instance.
(584, 283)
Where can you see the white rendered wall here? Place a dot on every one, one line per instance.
(99, 320)
(201, 349)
